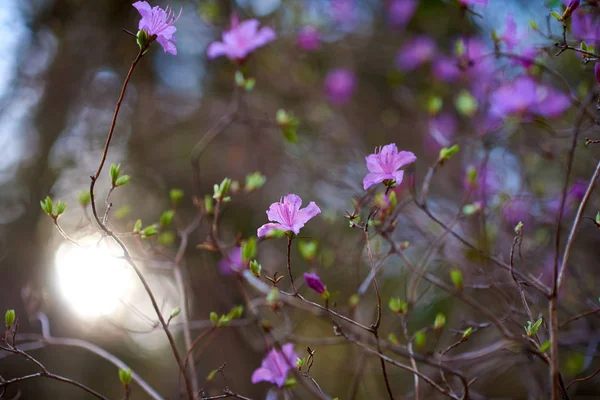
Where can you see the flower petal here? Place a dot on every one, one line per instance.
(143, 8)
(398, 177)
(373, 178)
(263, 36)
(294, 200)
(262, 375)
(403, 158)
(167, 46)
(274, 213)
(268, 228)
(373, 164)
(216, 49)
(304, 215)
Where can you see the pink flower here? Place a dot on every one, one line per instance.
(308, 38)
(288, 216)
(385, 163)
(314, 282)
(340, 85)
(585, 26)
(241, 40)
(232, 262)
(159, 24)
(401, 11)
(276, 365)
(510, 35)
(415, 53)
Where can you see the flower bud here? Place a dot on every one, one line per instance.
(125, 376)
(9, 318)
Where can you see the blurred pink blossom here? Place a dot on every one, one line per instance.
(340, 85)
(241, 40)
(159, 24)
(385, 163)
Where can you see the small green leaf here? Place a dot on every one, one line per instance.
(456, 278)
(122, 180)
(448, 152)
(115, 172)
(84, 198)
(467, 333)
(273, 295)
(248, 249)
(519, 227)
(239, 78)
(175, 312)
(466, 104)
(209, 206)
(254, 181)
(236, 312)
(149, 231)
(598, 218)
(214, 318)
(459, 47)
(440, 321)
(255, 268)
(60, 208)
(166, 218)
(249, 84)
(166, 238)
(125, 376)
(583, 46)
(211, 375)
(9, 318)
(289, 383)
(434, 105)
(556, 16)
(398, 306)
(393, 339)
(420, 339)
(137, 227)
(308, 249)
(176, 195)
(46, 205)
(544, 346)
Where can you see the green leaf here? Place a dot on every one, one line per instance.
(122, 212)
(115, 172)
(209, 206)
(249, 84)
(175, 312)
(398, 306)
(236, 312)
(420, 339)
(166, 218)
(459, 47)
(211, 375)
(583, 46)
(440, 321)
(239, 78)
(556, 16)
(255, 268)
(149, 231)
(214, 318)
(176, 195)
(470, 209)
(84, 198)
(137, 227)
(60, 208)
(166, 238)
(466, 104)
(254, 181)
(598, 218)
(448, 152)
(248, 249)
(456, 278)
(9, 318)
(308, 249)
(125, 376)
(467, 333)
(273, 295)
(519, 227)
(393, 339)
(122, 180)
(544, 346)
(434, 105)
(289, 383)
(46, 205)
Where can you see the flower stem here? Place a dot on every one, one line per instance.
(289, 265)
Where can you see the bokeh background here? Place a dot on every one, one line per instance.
(62, 66)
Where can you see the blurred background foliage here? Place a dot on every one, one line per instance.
(62, 67)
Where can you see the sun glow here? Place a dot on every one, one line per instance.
(91, 279)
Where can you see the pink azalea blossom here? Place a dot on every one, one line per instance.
(524, 96)
(159, 24)
(287, 216)
(340, 85)
(385, 163)
(309, 38)
(314, 282)
(400, 12)
(415, 53)
(585, 26)
(510, 35)
(232, 262)
(276, 365)
(442, 128)
(241, 40)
